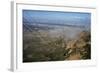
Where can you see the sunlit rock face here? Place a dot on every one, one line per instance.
(80, 48)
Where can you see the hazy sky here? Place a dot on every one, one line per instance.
(56, 17)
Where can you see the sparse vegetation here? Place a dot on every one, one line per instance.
(39, 46)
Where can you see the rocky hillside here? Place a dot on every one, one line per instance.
(79, 48)
(39, 46)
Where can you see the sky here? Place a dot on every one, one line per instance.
(56, 17)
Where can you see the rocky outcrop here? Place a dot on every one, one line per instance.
(79, 48)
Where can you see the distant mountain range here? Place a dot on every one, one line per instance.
(30, 28)
(45, 26)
